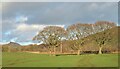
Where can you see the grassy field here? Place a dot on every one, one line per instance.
(41, 60)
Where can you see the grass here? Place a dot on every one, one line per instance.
(21, 59)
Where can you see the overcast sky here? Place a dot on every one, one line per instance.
(22, 20)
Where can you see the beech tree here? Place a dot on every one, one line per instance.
(79, 31)
(51, 35)
(102, 39)
(105, 37)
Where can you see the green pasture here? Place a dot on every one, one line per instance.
(21, 59)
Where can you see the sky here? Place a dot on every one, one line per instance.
(21, 21)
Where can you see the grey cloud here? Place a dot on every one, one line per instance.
(54, 13)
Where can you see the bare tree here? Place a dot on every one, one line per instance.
(79, 31)
(51, 35)
(105, 37)
(102, 39)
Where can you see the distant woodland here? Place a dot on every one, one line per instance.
(80, 38)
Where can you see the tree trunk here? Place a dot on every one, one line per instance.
(54, 51)
(61, 47)
(100, 50)
(78, 53)
(50, 53)
(79, 50)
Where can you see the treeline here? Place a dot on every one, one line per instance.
(54, 36)
(79, 38)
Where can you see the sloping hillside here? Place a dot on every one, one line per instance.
(11, 47)
(110, 45)
(91, 45)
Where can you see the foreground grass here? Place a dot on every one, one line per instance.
(41, 60)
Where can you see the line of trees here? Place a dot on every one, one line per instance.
(54, 35)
